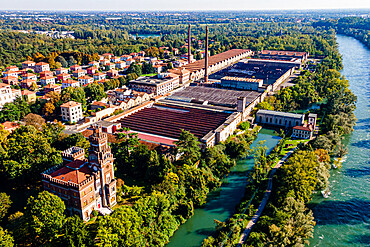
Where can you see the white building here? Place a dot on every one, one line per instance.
(7, 95)
(41, 66)
(71, 111)
(282, 119)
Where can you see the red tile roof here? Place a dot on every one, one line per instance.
(77, 171)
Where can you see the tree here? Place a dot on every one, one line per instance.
(95, 91)
(122, 228)
(48, 109)
(148, 68)
(6, 240)
(71, 61)
(76, 233)
(188, 147)
(77, 140)
(63, 62)
(152, 51)
(75, 94)
(35, 120)
(135, 69)
(5, 204)
(45, 215)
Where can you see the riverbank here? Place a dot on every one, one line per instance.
(343, 219)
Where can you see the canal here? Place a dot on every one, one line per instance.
(343, 219)
(221, 203)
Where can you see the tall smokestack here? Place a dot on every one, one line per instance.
(189, 45)
(206, 58)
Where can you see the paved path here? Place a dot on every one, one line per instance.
(255, 217)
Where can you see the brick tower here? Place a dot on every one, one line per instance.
(101, 161)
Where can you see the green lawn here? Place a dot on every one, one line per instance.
(149, 74)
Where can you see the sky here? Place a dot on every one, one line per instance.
(178, 5)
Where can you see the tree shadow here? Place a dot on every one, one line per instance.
(362, 144)
(351, 212)
(361, 239)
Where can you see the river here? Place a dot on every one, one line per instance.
(221, 203)
(343, 219)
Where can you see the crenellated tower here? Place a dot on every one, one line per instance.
(101, 161)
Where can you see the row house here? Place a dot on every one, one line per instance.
(42, 66)
(78, 73)
(99, 76)
(85, 80)
(130, 61)
(47, 80)
(60, 71)
(52, 88)
(25, 71)
(63, 77)
(28, 65)
(70, 83)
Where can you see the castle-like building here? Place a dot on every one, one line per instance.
(83, 184)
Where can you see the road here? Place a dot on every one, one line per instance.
(263, 203)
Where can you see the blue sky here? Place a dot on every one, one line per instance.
(150, 5)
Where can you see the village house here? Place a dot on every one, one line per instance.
(125, 57)
(11, 80)
(107, 55)
(110, 66)
(94, 64)
(120, 64)
(114, 59)
(85, 80)
(47, 80)
(75, 67)
(52, 88)
(92, 70)
(29, 76)
(99, 76)
(12, 68)
(42, 66)
(10, 73)
(71, 112)
(61, 71)
(10, 126)
(157, 85)
(29, 96)
(46, 73)
(27, 83)
(83, 184)
(78, 73)
(112, 73)
(63, 77)
(70, 83)
(28, 65)
(7, 95)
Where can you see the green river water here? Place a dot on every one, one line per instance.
(343, 219)
(221, 203)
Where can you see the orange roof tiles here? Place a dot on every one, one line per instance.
(70, 104)
(76, 172)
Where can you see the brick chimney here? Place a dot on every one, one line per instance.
(206, 58)
(189, 45)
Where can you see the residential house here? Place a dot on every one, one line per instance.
(112, 73)
(28, 65)
(71, 112)
(85, 80)
(30, 96)
(29, 76)
(27, 83)
(78, 73)
(92, 70)
(52, 88)
(70, 83)
(61, 71)
(47, 80)
(11, 80)
(63, 77)
(99, 76)
(76, 67)
(42, 66)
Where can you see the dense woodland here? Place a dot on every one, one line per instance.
(171, 190)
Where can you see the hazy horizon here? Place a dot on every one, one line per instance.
(190, 5)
